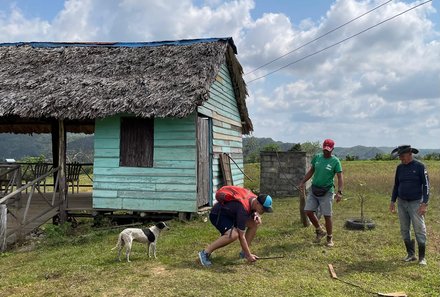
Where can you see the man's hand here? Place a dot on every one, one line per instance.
(392, 207)
(338, 197)
(251, 258)
(422, 209)
(257, 219)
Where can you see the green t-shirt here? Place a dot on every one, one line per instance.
(325, 170)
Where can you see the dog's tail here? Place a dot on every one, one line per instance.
(119, 243)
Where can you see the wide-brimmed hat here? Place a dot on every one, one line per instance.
(402, 149)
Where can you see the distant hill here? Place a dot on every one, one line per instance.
(18, 146)
(363, 152)
(80, 147)
(253, 145)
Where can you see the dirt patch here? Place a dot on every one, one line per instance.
(159, 270)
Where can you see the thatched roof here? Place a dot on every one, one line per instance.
(80, 82)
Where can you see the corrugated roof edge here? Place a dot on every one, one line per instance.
(124, 44)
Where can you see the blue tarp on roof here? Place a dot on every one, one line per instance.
(123, 44)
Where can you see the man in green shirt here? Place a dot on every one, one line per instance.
(323, 169)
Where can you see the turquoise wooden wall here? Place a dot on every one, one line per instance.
(227, 132)
(170, 185)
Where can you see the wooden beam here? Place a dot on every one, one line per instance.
(221, 118)
(225, 166)
(3, 226)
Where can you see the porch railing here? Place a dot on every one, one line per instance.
(22, 216)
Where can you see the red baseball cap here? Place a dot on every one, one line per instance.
(328, 145)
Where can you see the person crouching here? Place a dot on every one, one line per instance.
(236, 215)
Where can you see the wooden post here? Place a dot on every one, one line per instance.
(55, 129)
(3, 226)
(302, 203)
(62, 164)
(225, 166)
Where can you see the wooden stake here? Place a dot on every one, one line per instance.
(332, 271)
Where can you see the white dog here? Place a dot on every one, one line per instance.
(148, 236)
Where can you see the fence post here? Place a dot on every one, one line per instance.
(3, 226)
(302, 203)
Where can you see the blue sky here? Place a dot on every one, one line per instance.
(381, 88)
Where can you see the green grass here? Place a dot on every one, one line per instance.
(82, 263)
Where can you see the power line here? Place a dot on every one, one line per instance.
(317, 38)
(339, 42)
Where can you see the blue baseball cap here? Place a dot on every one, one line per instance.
(266, 201)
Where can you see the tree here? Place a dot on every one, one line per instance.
(311, 147)
(351, 158)
(382, 157)
(273, 147)
(253, 158)
(432, 156)
(295, 148)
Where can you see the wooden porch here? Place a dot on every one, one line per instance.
(26, 207)
(40, 212)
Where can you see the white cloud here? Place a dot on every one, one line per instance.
(379, 88)
(371, 84)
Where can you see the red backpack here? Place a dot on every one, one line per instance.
(231, 193)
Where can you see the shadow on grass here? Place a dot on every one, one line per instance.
(370, 266)
(282, 249)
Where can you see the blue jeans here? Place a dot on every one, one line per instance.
(408, 214)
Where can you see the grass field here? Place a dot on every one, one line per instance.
(82, 264)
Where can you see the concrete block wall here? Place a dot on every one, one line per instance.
(281, 172)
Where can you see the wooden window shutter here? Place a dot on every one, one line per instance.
(137, 136)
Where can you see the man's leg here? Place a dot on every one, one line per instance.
(404, 219)
(313, 219)
(223, 240)
(419, 226)
(405, 225)
(329, 225)
(311, 206)
(326, 204)
(224, 225)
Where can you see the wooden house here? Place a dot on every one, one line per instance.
(161, 114)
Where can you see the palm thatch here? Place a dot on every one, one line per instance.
(80, 82)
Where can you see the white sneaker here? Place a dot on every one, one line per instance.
(409, 258)
(330, 242)
(423, 262)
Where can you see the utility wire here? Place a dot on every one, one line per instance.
(317, 38)
(339, 42)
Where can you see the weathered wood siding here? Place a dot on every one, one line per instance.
(170, 185)
(227, 131)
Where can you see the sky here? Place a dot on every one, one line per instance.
(374, 81)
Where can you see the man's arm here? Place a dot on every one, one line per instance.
(425, 192)
(245, 247)
(395, 191)
(340, 177)
(308, 175)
